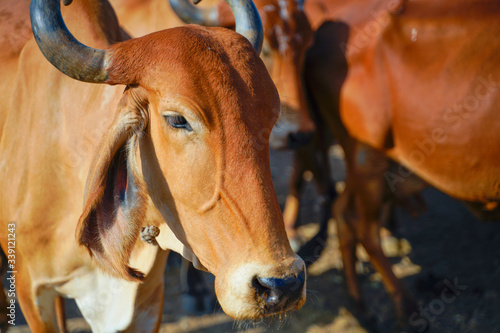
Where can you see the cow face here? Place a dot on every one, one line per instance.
(188, 137)
(287, 36)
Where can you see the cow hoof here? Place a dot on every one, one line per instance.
(149, 234)
(406, 310)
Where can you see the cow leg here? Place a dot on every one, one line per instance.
(39, 311)
(347, 245)
(404, 304)
(318, 163)
(370, 240)
(61, 314)
(325, 185)
(368, 199)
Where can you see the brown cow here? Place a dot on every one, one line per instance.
(182, 140)
(415, 82)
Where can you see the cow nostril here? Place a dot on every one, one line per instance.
(267, 291)
(279, 294)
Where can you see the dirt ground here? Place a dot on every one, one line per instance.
(448, 260)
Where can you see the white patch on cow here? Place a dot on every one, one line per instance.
(283, 39)
(284, 44)
(168, 241)
(106, 302)
(269, 8)
(414, 35)
(285, 15)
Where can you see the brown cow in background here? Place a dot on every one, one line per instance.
(412, 82)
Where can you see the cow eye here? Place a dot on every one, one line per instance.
(177, 121)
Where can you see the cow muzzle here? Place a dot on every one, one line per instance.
(253, 291)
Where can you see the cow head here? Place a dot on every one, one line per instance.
(185, 138)
(287, 35)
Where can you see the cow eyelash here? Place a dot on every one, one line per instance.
(177, 121)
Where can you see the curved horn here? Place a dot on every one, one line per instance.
(246, 17)
(58, 45)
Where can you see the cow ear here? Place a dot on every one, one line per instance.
(114, 205)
